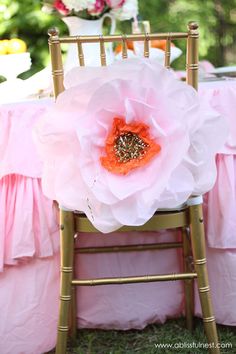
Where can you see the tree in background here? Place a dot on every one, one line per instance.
(217, 20)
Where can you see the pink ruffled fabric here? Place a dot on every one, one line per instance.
(17, 150)
(29, 304)
(221, 96)
(221, 205)
(71, 140)
(28, 221)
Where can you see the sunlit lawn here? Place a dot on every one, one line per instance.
(145, 341)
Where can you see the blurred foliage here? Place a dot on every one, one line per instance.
(217, 20)
(24, 19)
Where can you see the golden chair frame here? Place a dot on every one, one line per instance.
(189, 219)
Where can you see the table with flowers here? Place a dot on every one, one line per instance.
(29, 257)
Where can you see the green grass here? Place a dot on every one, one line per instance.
(145, 341)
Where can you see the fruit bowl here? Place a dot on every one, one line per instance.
(12, 65)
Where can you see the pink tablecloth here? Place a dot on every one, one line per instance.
(29, 281)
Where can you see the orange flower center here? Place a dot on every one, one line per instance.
(128, 146)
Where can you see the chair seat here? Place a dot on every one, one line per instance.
(161, 220)
(178, 208)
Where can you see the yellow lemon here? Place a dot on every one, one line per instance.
(4, 46)
(16, 45)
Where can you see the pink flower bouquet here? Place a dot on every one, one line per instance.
(125, 140)
(92, 9)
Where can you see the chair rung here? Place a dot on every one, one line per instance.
(137, 279)
(129, 248)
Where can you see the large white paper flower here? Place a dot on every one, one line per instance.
(126, 140)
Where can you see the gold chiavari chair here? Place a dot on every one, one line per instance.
(189, 219)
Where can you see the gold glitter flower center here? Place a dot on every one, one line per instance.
(129, 146)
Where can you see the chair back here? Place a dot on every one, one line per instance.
(191, 37)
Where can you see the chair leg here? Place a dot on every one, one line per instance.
(189, 283)
(73, 313)
(73, 308)
(199, 255)
(67, 253)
